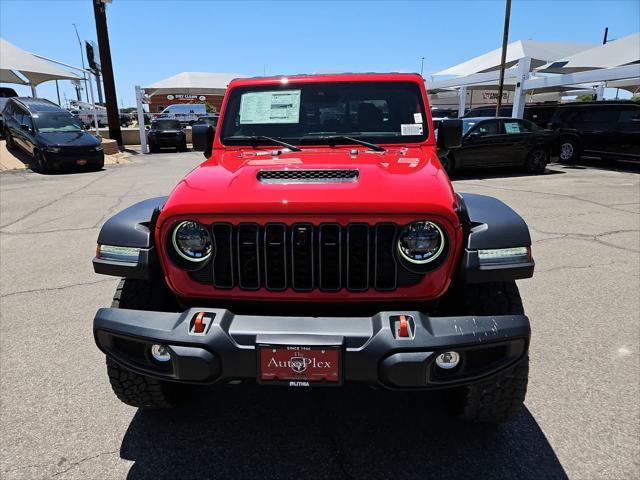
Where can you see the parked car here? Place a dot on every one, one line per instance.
(208, 120)
(599, 129)
(50, 134)
(5, 94)
(500, 142)
(314, 250)
(538, 113)
(441, 112)
(166, 133)
(185, 113)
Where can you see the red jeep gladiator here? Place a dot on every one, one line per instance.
(321, 243)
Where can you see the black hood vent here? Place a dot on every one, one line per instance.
(308, 176)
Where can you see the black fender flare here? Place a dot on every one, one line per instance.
(491, 224)
(132, 227)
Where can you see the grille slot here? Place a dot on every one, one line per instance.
(223, 260)
(330, 261)
(275, 257)
(248, 246)
(385, 265)
(303, 257)
(357, 256)
(308, 176)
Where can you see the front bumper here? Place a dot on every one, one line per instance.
(372, 350)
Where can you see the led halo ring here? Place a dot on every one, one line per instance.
(431, 258)
(180, 252)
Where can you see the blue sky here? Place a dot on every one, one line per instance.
(154, 39)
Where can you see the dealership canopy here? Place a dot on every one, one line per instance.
(14, 60)
(193, 83)
(539, 52)
(616, 53)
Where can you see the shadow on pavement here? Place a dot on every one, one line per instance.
(245, 431)
(500, 172)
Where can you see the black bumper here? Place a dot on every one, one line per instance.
(372, 351)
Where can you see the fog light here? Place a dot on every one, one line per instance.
(160, 353)
(448, 360)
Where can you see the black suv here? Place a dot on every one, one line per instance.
(50, 134)
(166, 133)
(538, 113)
(598, 129)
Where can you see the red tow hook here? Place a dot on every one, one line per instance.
(403, 327)
(198, 325)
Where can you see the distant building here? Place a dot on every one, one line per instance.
(189, 87)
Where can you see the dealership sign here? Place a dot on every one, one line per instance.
(202, 98)
(494, 96)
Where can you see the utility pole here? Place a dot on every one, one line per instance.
(505, 40)
(111, 100)
(421, 65)
(84, 74)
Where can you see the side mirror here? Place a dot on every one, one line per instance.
(25, 127)
(449, 134)
(202, 138)
(473, 135)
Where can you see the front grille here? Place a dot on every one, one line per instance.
(303, 257)
(308, 176)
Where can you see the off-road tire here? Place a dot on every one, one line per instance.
(537, 160)
(568, 150)
(498, 398)
(130, 387)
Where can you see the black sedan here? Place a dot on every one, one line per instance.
(50, 134)
(500, 142)
(166, 133)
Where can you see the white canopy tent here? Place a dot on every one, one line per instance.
(617, 53)
(540, 53)
(193, 83)
(608, 65)
(14, 60)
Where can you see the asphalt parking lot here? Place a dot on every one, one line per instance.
(60, 419)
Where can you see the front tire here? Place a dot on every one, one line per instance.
(11, 144)
(537, 160)
(500, 397)
(130, 387)
(41, 165)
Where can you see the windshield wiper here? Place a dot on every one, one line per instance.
(335, 138)
(257, 138)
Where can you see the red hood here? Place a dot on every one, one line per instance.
(398, 181)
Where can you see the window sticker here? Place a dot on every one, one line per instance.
(411, 129)
(512, 127)
(417, 118)
(280, 106)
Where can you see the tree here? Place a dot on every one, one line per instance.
(587, 97)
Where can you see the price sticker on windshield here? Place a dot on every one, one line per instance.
(281, 106)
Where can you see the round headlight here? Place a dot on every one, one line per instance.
(421, 242)
(192, 241)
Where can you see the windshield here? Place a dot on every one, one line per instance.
(377, 112)
(166, 125)
(56, 122)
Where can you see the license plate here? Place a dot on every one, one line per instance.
(299, 365)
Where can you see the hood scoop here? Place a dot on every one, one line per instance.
(318, 175)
